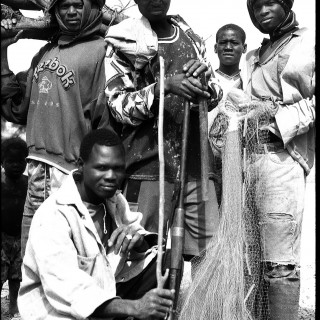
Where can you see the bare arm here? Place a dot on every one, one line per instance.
(155, 303)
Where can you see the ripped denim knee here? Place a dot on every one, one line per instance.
(275, 270)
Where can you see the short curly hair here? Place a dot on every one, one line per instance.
(14, 143)
(233, 27)
(103, 137)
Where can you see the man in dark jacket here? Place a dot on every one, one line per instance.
(133, 91)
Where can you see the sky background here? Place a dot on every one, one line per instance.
(204, 16)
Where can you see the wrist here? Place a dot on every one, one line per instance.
(6, 73)
(133, 307)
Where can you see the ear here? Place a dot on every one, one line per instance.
(244, 48)
(215, 48)
(80, 164)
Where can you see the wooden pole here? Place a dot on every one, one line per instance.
(161, 279)
(177, 230)
(43, 28)
(204, 148)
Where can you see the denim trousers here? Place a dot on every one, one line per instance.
(279, 189)
(43, 179)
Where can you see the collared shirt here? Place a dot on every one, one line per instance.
(286, 73)
(67, 272)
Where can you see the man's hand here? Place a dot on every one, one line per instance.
(155, 304)
(257, 108)
(194, 68)
(8, 24)
(126, 238)
(186, 87)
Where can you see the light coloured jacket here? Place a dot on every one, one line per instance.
(295, 79)
(67, 272)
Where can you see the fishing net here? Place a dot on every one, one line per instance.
(228, 283)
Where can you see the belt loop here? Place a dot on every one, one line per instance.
(265, 147)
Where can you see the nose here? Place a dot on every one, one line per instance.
(228, 46)
(264, 11)
(72, 10)
(110, 175)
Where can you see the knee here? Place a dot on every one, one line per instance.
(284, 271)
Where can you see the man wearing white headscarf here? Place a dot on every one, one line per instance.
(60, 97)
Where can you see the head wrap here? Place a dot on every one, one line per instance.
(90, 22)
(287, 25)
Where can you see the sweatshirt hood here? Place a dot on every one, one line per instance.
(90, 22)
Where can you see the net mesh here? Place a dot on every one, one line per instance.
(228, 283)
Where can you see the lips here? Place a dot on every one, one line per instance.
(266, 20)
(73, 21)
(108, 186)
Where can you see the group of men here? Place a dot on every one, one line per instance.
(90, 250)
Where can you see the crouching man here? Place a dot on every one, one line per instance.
(87, 252)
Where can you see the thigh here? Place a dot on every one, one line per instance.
(280, 188)
(43, 179)
(37, 186)
(16, 260)
(5, 261)
(146, 200)
(145, 281)
(201, 218)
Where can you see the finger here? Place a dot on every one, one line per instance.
(165, 293)
(197, 92)
(114, 236)
(135, 241)
(190, 72)
(120, 242)
(201, 69)
(125, 244)
(158, 315)
(188, 65)
(4, 24)
(165, 304)
(162, 310)
(17, 36)
(9, 23)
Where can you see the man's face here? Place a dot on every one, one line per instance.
(103, 173)
(14, 163)
(269, 14)
(153, 10)
(70, 12)
(229, 47)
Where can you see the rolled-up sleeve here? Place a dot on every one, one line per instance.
(295, 119)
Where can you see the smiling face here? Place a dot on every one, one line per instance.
(229, 47)
(153, 10)
(269, 14)
(103, 173)
(70, 12)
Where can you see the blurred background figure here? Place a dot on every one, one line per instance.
(13, 194)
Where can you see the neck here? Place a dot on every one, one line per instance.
(89, 198)
(162, 28)
(229, 70)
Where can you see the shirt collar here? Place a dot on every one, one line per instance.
(68, 194)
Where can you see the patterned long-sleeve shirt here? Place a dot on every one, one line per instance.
(132, 103)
